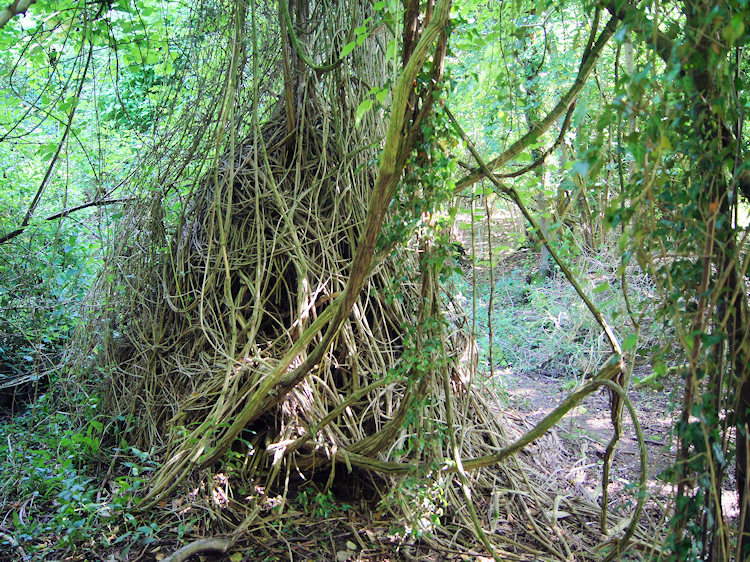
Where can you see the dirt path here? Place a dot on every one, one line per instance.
(587, 429)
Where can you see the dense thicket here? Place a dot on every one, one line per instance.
(267, 197)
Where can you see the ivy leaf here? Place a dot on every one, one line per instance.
(629, 342)
(348, 48)
(363, 108)
(381, 95)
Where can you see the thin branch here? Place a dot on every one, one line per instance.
(64, 213)
(587, 66)
(51, 168)
(539, 161)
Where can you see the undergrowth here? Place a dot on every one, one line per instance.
(543, 327)
(64, 490)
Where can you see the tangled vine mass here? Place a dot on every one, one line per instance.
(216, 301)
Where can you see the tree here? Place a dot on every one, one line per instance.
(705, 298)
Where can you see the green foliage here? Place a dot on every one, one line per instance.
(50, 479)
(321, 505)
(42, 283)
(425, 499)
(678, 198)
(646, 158)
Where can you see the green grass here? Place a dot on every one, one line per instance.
(544, 328)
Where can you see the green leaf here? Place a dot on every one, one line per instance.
(601, 287)
(363, 108)
(660, 368)
(390, 50)
(734, 30)
(348, 48)
(524, 157)
(69, 104)
(629, 342)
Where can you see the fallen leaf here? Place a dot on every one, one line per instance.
(343, 555)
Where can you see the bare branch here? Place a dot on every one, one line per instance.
(61, 214)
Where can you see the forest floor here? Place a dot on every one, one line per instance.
(587, 429)
(546, 345)
(538, 367)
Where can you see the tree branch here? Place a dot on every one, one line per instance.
(513, 195)
(587, 66)
(62, 214)
(55, 157)
(539, 161)
(13, 9)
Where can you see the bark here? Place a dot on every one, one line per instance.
(13, 9)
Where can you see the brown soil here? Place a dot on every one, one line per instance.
(587, 429)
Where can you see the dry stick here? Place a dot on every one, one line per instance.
(276, 384)
(333, 414)
(283, 5)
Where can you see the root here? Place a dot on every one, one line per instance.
(198, 547)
